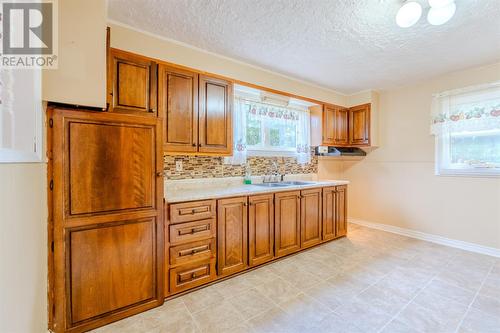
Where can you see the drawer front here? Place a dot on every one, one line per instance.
(191, 211)
(195, 251)
(192, 231)
(191, 275)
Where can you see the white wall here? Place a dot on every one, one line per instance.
(23, 248)
(395, 184)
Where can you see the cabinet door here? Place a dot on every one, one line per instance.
(329, 213)
(341, 126)
(107, 217)
(261, 229)
(232, 235)
(359, 125)
(310, 217)
(287, 223)
(178, 105)
(341, 216)
(329, 124)
(131, 84)
(216, 103)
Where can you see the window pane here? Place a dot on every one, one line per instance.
(475, 149)
(282, 133)
(254, 136)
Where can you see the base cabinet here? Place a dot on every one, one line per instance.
(287, 223)
(232, 235)
(329, 213)
(341, 212)
(260, 229)
(310, 217)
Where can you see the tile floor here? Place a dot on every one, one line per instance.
(371, 281)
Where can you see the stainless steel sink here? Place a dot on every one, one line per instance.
(294, 183)
(272, 184)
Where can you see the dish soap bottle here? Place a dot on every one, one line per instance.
(248, 175)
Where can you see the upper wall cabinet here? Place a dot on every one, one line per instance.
(178, 104)
(197, 112)
(215, 125)
(359, 125)
(131, 84)
(346, 126)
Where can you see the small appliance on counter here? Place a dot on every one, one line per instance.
(339, 151)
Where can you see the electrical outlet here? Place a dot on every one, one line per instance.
(178, 166)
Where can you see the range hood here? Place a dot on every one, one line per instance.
(339, 151)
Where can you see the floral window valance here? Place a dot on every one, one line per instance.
(469, 109)
(264, 110)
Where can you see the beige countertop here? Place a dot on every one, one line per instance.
(216, 188)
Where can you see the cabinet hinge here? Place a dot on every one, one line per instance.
(51, 184)
(52, 246)
(51, 123)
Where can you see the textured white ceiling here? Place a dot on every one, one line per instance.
(345, 45)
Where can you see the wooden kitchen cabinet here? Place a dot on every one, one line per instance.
(310, 217)
(132, 84)
(232, 235)
(286, 223)
(359, 125)
(346, 126)
(260, 229)
(329, 213)
(341, 126)
(107, 222)
(215, 133)
(178, 105)
(341, 212)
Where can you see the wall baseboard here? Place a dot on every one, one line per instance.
(491, 251)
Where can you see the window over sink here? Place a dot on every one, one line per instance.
(269, 125)
(466, 124)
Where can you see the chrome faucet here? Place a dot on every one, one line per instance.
(275, 176)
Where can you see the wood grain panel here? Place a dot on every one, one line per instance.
(310, 212)
(109, 169)
(186, 253)
(260, 229)
(111, 268)
(192, 211)
(215, 129)
(131, 83)
(329, 213)
(192, 231)
(359, 125)
(329, 124)
(341, 126)
(108, 259)
(287, 223)
(191, 275)
(232, 235)
(178, 102)
(341, 218)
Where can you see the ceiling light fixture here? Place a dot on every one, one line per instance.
(441, 15)
(409, 14)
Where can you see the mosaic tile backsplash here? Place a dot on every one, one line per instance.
(214, 167)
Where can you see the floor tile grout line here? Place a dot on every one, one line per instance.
(406, 305)
(474, 298)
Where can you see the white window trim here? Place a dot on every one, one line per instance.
(441, 170)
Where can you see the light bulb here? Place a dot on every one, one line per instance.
(440, 3)
(409, 14)
(441, 15)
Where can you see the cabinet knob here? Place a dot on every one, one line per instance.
(194, 144)
(193, 276)
(152, 110)
(159, 174)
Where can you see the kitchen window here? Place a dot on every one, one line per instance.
(269, 130)
(466, 124)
